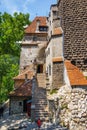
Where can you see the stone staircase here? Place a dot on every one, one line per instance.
(41, 79)
(41, 107)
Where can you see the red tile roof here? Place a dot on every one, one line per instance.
(29, 73)
(24, 90)
(57, 31)
(76, 77)
(32, 27)
(57, 59)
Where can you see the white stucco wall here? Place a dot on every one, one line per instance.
(57, 46)
(28, 54)
(66, 78)
(56, 50)
(49, 61)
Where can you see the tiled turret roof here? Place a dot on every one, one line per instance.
(32, 27)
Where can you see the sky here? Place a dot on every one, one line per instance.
(33, 7)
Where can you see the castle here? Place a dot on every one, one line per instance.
(53, 55)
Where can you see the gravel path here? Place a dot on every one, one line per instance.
(21, 122)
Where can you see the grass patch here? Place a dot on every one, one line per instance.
(64, 106)
(53, 91)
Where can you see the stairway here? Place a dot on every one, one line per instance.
(41, 79)
(41, 107)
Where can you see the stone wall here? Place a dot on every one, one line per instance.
(16, 104)
(30, 52)
(53, 50)
(57, 75)
(74, 23)
(73, 108)
(34, 38)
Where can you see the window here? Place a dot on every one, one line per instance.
(20, 103)
(54, 13)
(35, 38)
(42, 28)
(85, 62)
(49, 69)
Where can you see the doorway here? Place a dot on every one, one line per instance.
(25, 105)
(40, 68)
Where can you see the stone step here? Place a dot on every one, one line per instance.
(41, 111)
(41, 77)
(41, 105)
(41, 99)
(41, 102)
(41, 115)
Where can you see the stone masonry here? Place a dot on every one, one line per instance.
(73, 108)
(57, 75)
(74, 23)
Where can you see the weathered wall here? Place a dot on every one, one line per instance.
(49, 53)
(30, 52)
(53, 50)
(14, 105)
(52, 15)
(57, 46)
(74, 22)
(73, 108)
(58, 78)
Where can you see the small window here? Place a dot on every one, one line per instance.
(42, 28)
(49, 69)
(85, 62)
(55, 13)
(20, 103)
(34, 38)
(73, 62)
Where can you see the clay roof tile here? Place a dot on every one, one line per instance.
(76, 77)
(29, 73)
(32, 27)
(57, 31)
(24, 90)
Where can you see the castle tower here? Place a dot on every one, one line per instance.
(73, 15)
(33, 44)
(54, 51)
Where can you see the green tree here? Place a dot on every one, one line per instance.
(8, 68)
(11, 31)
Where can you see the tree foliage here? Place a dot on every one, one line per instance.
(11, 31)
(8, 68)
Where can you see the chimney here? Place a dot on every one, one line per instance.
(37, 26)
